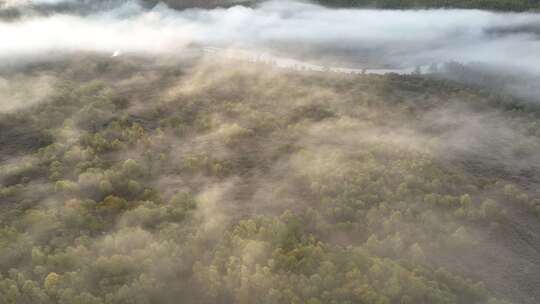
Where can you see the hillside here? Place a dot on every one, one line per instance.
(137, 178)
(269, 152)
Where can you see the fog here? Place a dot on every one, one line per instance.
(346, 37)
(124, 173)
(235, 169)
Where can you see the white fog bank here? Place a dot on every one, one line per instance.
(398, 38)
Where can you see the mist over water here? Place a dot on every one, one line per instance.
(345, 37)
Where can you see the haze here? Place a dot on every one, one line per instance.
(395, 38)
(272, 152)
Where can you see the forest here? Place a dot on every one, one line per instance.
(135, 169)
(232, 182)
(497, 5)
(83, 6)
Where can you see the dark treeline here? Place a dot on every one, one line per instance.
(84, 6)
(498, 5)
(12, 13)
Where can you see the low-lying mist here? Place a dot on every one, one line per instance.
(353, 36)
(139, 166)
(506, 43)
(154, 175)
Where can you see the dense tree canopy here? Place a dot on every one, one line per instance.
(241, 183)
